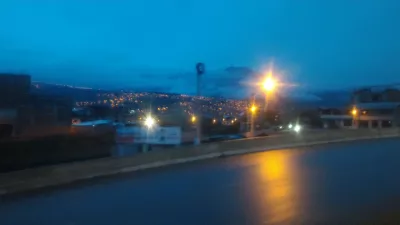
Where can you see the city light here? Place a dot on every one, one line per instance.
(290, 126)
(297, 128)
(193, 119)
(149, 122)
(253, 109)
(354, 111)
(136, 104)
(214, 120)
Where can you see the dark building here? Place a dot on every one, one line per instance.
(14, 89)
(23, 114)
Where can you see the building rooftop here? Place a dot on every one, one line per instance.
(378, 105)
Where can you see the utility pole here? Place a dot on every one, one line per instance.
(200, 70)
(252, 113)
(265, 114)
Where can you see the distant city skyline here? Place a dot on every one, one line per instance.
(154, 45)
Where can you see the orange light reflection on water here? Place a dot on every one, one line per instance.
(278, 189)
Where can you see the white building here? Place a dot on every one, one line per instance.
(372, 107)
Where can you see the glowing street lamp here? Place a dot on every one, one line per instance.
(149, 122)
(297, 128)
(253, 109)
(269, 84)
(193, 119)
(354, 112)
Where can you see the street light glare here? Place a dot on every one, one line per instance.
(354, 112)
(149, 122)
(269, 84)
(297, 128)
(193, 119)
(253, 109)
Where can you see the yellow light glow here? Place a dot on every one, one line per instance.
(354, 111)
(193, 119)
(253, 109)
(276, 170)
(149, 122)
(269, 84)
(214, 120)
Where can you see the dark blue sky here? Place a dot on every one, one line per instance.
(154, 44)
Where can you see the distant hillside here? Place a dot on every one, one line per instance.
(76, 93)
(295, 102)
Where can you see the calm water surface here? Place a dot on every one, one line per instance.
(348, 183)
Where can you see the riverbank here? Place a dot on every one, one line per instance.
(30, 179)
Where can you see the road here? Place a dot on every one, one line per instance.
(347, 183)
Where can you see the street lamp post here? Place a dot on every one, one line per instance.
(354, 112)
(269, 85)
(200, 70)
(266, 103)
(253, 110)
(149, 123)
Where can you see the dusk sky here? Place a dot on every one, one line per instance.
(154, 44)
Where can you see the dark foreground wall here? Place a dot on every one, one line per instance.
(16, 155)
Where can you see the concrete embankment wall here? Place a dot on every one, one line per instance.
(25, 180)
(52, 150)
